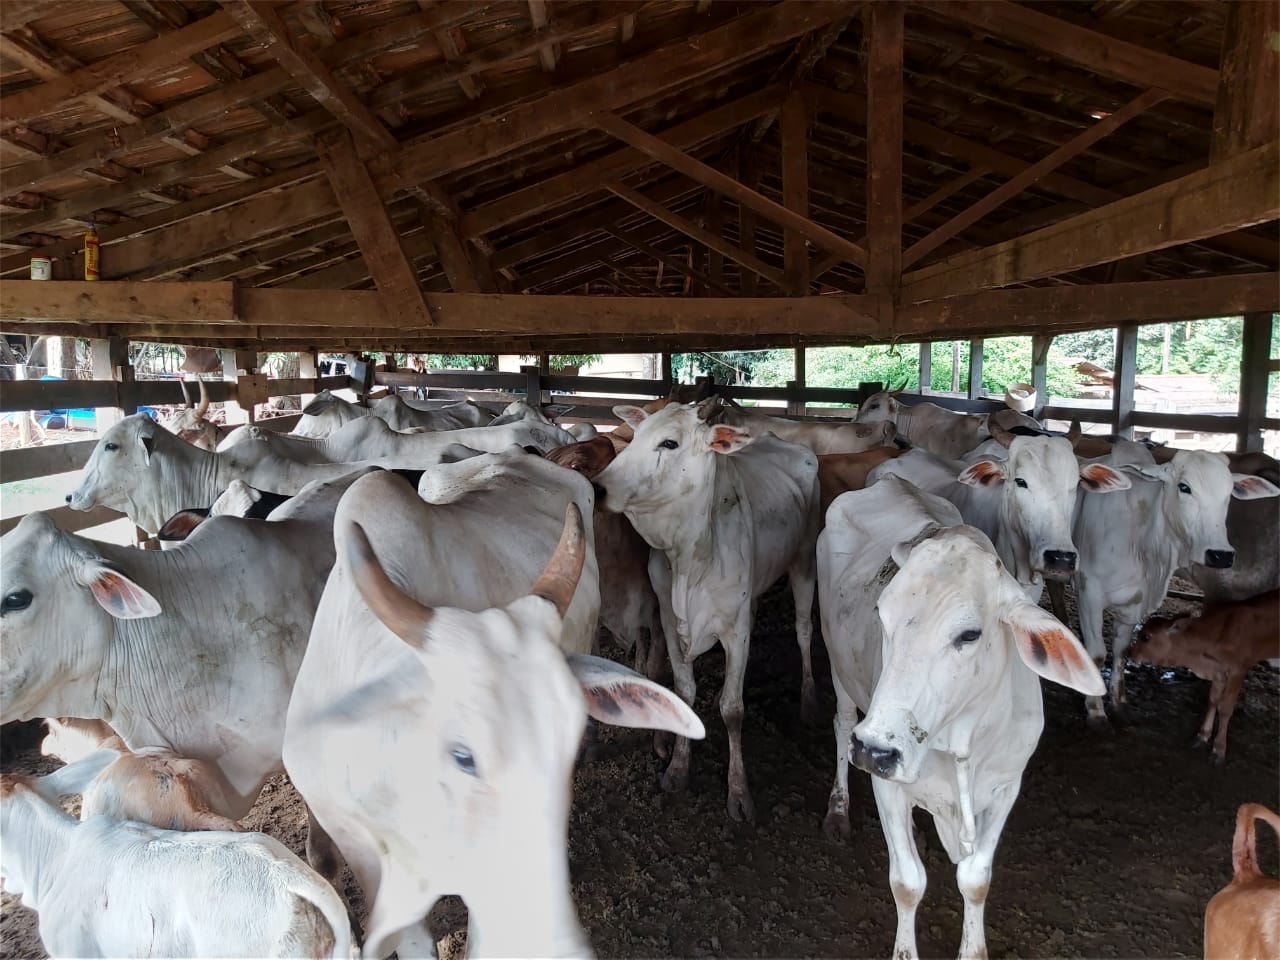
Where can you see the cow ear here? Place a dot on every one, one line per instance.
(1099, 478)
(1053, 651)
(1245, 486)
(984, 473)
(727, 439)
(182, 524)
(148, 442)
(318, 404)
(632, 416)
(623, 698)
(117, 594)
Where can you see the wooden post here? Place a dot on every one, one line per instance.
(1124, 379)
(532, 385)
(1244, 115)
(108, 359)
(926, 369)
(668, 375)
(795, 189)
(309, 368)
(234, 362)
(1255, 369)
(975, 369)
(1040, 371)
(796, 405)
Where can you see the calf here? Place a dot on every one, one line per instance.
(1243, 918)
(111, 888)
(841, 472)
(1220, 646)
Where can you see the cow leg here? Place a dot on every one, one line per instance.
(322, 852)
(907, 878)
(836, 824)
(1058, 600)
(973, 873)
(1226, 707)
(736, 647)
(1119, 647)
(803, 583)
(1211, 714)
(676, 777)
(1089, 608)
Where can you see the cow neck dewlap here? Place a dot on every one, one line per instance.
(182, 477)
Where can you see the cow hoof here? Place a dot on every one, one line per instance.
(741, 808)
(663, 741)
(675, 781)
(1198, 743)
(809, 712)
(835, 827)
(1099, 725)
(1217, 759)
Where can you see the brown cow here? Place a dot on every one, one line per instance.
(628, 605)
(1220, 645)
(840, 472)
(1243, 918)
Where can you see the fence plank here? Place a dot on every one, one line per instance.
(24, 464)
(68, 520)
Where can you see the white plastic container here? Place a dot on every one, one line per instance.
(41, 268)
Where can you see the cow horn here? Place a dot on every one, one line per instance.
(203, 407)
(1074, 433)
(559, 579)
(400, 613)
(186, 397)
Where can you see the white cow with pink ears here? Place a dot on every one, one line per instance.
(935, 642)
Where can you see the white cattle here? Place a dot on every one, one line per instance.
(399, 414)
(326, 413)
(193, 649)
(190, 423)
(729, 514)
(113, 888)
(149, 474)
(943, 432)
(1131, 543)
(821, 438)
(371, 440)
(1022, 498)
(70, 739)
(935, 642)
(437, 745)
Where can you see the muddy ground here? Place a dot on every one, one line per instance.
(1113, 849)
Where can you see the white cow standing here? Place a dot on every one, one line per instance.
(1173, 516)
(1022, 498)
(436, 717)
(325, 413)
(729, 514)
(945, 433)
(401, 414)
(193, 649)
(116, 888)
(821, 438)
(935, 642)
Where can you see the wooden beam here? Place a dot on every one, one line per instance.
(371, 225)
(23, 47)
(590, 177)
(571, 106)
(795, 189)
(638, 243)
(454, 261)
(1254, 377)
(749, 173)
(548, 53)
(97, 302)
(1245, 115)
(262, 20)
(701, 172)
(1124, 380)
(704, 237)
(884, 146)
(136, 63)
(1097, 52)
(1029, 176)
(713, 213)
(1235, 193)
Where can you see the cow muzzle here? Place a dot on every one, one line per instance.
(875, 760)
(1059, 563)
(1219, 558)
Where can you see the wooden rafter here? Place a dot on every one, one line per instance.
(1101, 54)
(1244, 115)
(1029, 176)
(261, 19)
(548, 53)
(1235, 193)
(639, 244)
(885, 29)
(371, 225)
(795, 189)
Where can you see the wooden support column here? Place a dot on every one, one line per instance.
(668, 375)
(309, 369)
(795, 189)
(975, 369)
(239, 367)
(749, 174)
(109, 360)
(532, 384)
(376, 235)
(926, 368)
(454, 260)
(884, 147)
(1124, 380)
(1255, 369)
(795, 405)
(1040, 371)
(1244, 115)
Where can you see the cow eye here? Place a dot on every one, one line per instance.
(1184, 487)
(111, 447)
(874, 406)
(968, 636)
(18, 600)
(668, 445)
(1020, 482)
(463, 758)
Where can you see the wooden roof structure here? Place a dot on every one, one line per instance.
(530, 175)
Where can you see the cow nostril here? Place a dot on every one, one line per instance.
(1060, 559)
(1219, 558)
(876, 760)
(68, 498)
(600, 492)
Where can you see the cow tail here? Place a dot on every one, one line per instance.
(1244, 850)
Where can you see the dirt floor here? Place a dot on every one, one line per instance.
(1114, 847)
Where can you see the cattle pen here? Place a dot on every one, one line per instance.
(381, 180)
